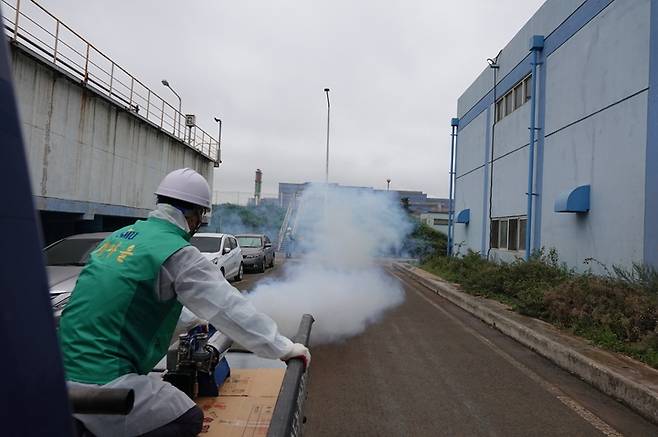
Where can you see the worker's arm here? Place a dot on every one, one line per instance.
(199, 285)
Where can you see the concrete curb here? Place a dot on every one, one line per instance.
(627, 380)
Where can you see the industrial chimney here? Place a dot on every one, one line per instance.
(259, 183)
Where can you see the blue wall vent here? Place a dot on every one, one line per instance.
(464, 216)
(574, 200)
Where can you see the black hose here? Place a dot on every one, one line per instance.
(493, 142)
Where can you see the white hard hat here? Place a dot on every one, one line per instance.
(187, 185)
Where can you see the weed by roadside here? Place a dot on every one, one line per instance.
(617, 311)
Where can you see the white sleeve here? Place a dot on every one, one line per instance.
(200, 286)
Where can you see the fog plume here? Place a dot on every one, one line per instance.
(335, 274)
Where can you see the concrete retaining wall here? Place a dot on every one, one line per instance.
(86, 152)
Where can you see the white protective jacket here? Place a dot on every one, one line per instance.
(197, 284)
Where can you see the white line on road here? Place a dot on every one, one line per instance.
(583, 412)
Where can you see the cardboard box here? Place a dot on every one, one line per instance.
(245, 405)
(253, 382)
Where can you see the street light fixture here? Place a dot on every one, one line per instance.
(326, 176)
(165, 82)
(219, 140)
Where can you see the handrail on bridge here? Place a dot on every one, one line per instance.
(25, 22)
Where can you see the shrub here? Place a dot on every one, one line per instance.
(424, 242)
(618, 311)
(588, 302)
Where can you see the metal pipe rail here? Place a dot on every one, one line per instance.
(28, 23)
(288, 415)
(98, 400)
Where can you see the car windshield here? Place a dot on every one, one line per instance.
(249, 241)
(206, 244)
(71, 252)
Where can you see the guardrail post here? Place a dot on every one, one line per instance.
(132, 84)
(111, 78)
(148, 103)
(56, 42)
(87, 64)
(18, 8)
(162, 114)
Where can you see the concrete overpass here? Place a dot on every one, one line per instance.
(98, 140)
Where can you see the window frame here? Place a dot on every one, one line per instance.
(514, 236)
(508, 103)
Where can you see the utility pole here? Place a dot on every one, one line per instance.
(219, 141)
(326, 175)
(180, 106)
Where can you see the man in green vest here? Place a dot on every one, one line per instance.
(128, 299)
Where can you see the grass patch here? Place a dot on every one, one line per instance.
(617, 311)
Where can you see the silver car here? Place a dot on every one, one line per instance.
(65, 260)
(257, 251)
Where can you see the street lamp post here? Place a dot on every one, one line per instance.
(388, 184)
(165, 82)
(326, 176)
(219, 140)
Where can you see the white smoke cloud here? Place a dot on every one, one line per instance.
(340, 233)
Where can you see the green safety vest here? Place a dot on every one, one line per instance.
(114, 323)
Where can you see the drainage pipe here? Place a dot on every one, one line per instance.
(451, 208)
(536, 45)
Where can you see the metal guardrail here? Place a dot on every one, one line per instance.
(30, 24)
(285, 224)
(288, 415)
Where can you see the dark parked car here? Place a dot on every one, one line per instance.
(257, 251)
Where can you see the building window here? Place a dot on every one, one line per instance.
(514, 98)
(508, 233)
(493, 235)
(513, 237)
(509, 104)
(527, 86)
(502, 234)
(522, 232)
(518, 96)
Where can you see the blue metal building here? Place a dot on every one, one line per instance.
(589, 114)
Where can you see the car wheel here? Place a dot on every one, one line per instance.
(272, 262)
(261, 267)
(240, 274)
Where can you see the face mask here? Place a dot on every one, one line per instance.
(201, 220)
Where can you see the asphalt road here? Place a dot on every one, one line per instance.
(430, 369)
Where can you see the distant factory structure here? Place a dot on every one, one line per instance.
(555, 143)
(417, 202)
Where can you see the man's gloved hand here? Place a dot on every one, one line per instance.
(298, 350)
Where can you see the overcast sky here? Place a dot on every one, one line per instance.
(395, 69)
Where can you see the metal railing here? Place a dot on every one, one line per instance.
(288, 415)
(30, 24)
